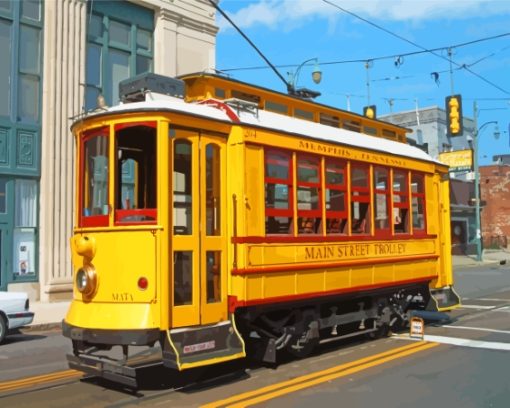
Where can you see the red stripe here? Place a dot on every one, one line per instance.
(285, 239)
(120, 126)
(234, 303)
(299, 267)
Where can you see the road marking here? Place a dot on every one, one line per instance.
(39, 379)
(477, 329)
(491, 300)
(455, 341)
(502, 309)
(480, 307)
(310, 380)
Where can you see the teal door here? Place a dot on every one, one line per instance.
(6, 216)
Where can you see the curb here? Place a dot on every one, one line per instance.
(42, 327)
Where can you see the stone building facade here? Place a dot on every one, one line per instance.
(58, 56)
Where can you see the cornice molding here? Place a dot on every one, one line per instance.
(187, 22)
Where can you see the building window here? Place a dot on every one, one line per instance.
(119, 46)
(20, 70)
(25, 226)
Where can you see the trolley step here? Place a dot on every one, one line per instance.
(443, 299)
(191, 347)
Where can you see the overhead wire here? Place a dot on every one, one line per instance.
(384, 57)
(416, 45)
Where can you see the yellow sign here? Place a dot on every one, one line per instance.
(459, 160)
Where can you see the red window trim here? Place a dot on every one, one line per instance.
(404, 195)
(280, 212)
(148, 212)
(383, 232)
(91, 220)
(120, 126)
(337, 187)
(314, 213)
(420, 195)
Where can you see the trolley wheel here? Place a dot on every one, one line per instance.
(382, 331)
(3, 328)
(302, 350)
(304, 345)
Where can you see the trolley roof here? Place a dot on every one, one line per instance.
(266, 120)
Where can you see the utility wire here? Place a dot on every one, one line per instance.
(385, 57)
(415, 44)
(215, 5)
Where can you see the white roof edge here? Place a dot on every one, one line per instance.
(274, 121)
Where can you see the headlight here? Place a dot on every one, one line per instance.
(86, 280)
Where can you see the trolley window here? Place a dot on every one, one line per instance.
(360, 199)
(278, 192)
(309, 205)
(94, 171)
(418, 202)
(400, 201)
(212, 190)
(135, 180)
(336, 197)
(381, 200)
(182, 183)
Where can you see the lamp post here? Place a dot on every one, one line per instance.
(477, 131)
(294, 76)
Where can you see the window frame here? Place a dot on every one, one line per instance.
(289, 182)
(363, 197)
(311, 213)
(107, 46)
(120, 213)
(335, 214)
(403, 203)
(382, 232)
(90, 221)
(419, 196)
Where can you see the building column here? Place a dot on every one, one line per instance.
(63, 98)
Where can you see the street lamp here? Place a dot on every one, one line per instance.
(294, 77)
(477, 131)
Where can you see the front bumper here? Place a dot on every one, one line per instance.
(111, 337)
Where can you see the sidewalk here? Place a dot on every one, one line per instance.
(490, 256)
(48, 315)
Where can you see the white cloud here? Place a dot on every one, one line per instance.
(274, 14)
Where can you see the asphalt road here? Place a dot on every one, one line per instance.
(389, 372)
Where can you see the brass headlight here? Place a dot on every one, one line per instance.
(86, 280)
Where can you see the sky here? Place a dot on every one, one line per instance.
(395, 37)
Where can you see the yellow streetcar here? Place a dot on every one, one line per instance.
(220, 219)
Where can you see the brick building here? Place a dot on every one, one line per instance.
(495, 216)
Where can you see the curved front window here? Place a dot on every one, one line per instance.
(94, 207)
(135, 173)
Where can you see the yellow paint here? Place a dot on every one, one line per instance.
(309, 380)
(122, 254)
(39, 379)
(114, 316)
(204, 86)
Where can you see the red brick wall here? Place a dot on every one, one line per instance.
(495, 190)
